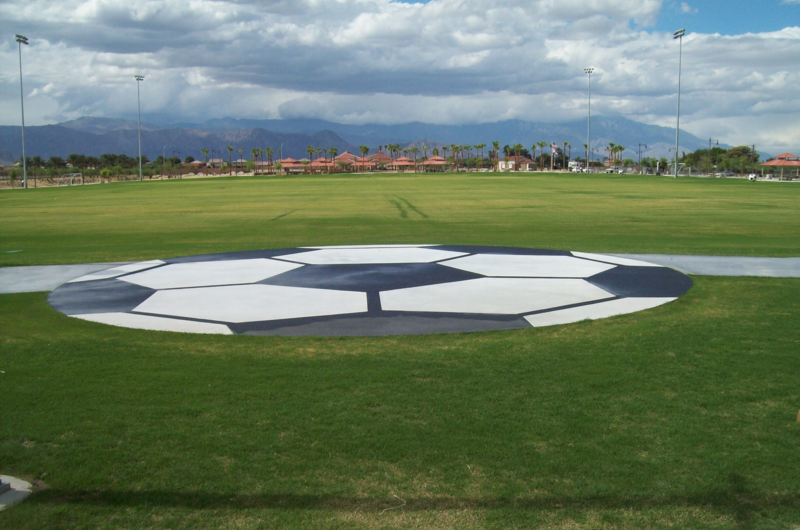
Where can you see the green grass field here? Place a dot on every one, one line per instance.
(132, 221)
(684, 416)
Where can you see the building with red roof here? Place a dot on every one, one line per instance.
(515, 163)
(434, 163)
(784, 161)
(380, 158)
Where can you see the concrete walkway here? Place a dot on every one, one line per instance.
(724, 265)
(45, 277)
(48, 277)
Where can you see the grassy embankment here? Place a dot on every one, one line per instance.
(682, 416)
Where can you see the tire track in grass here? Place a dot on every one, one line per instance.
(403, 211)
(412, 207)
(281, 216)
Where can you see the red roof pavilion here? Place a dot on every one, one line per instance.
(785, 160)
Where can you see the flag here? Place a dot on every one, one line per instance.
(554, 148)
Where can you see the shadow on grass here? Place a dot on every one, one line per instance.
(736, 500)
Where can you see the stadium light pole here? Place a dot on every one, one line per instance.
(709, 154)
(21, 39)
(678, 35)
(139, 78)
(589, 71)
(640, 156)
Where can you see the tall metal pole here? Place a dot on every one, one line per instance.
(139, 78)
(709, 154)
(589, 71)
(678, 35)
(640, 156)
(21, 39)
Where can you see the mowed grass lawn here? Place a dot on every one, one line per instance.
(684, 416)
(133, 221)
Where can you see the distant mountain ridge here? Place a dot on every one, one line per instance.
(93, 136)
(58, 140)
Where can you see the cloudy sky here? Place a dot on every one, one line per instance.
(390, 61)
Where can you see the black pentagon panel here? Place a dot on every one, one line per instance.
(370, 277)
(377, 326)
(247, 254)
(512, 251)
(98, 296)
(656, 282)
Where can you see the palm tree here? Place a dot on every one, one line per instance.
(619, 149)
(230, 168)
(310, 150)
(444, 150)
(255, 152)
(425, 151)
(414, 151)
(496, 147)
(435, 151)
(364, 150)
(454, 149)
(517, 150)
(541, 153)
(392, 148)
(467, 148)
(268, 151)
(611, 152)
(566, 144)
(480, 147)
(332, 152)
(586, 152)
(205, 157)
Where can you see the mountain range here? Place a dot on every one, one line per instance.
(95, 136)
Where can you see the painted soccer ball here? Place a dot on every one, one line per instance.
(372, 290)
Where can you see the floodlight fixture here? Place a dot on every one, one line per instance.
(678, 34)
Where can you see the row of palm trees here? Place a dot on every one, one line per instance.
(459, 153)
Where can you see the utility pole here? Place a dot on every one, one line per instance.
(640, 157)
(709, 153)
(139, 78)
(21, 39)
(678, 35)
(589, 71)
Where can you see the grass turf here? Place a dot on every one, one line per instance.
(603, 213)
(681, 416)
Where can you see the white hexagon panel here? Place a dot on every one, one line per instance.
(503, 296)
(368, 256)
(528, 266)
(207, 273)
(251, 303)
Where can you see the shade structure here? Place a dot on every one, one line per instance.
(380, 158)
(435, 161)
(346, 157)
(784, 161)
(290, 164)
(363, 162)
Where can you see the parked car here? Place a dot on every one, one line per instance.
(726, 173)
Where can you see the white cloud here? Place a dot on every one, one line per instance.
(687, 9)
(358, 61)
